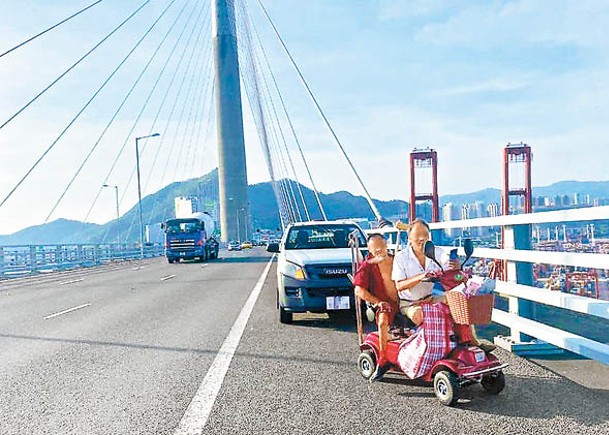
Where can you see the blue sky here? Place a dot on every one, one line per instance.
(462, 77)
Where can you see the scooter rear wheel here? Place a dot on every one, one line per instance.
(366, 363)
(446, 387)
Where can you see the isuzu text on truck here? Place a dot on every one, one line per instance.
(190, 238)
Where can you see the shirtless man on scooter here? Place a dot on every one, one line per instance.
(374, 284)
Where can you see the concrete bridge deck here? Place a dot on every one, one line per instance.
(133, 356)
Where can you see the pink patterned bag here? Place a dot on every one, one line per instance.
(430, 343)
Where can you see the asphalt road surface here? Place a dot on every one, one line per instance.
(153, 348)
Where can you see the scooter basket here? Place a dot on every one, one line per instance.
(473, 310)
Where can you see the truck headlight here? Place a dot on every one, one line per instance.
(293, 271)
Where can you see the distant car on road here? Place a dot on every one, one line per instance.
(313, 263)
(233, 246)
(247, 245)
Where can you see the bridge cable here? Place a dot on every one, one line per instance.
(124, 101)
(189, 93)
(286, 209)
(258, 113)
(179, 124)
(80, 112)
(50, 28)
(287, 153)
(259, 116)
(289, 119)
(158, 150)
(247, 22)
(208, 123)
(199, 111)
(271, 138)
(144, 106)
(63, 74)
(168, 122)
(195, 66)
(322, 114)
(187, 46)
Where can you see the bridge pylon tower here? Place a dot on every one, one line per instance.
(517, 154)
(232, 173)
(517, 236)
(421, 159)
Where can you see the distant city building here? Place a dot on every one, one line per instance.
(558, 201)
(469, 211)
(449, 213)
(492, 210)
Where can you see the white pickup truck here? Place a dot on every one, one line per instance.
(313, 263)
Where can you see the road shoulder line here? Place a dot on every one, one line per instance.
(197, 413)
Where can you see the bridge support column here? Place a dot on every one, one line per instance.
(232, 173)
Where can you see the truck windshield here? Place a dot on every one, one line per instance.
(321, 237)
(176, 226)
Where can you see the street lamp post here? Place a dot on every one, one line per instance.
(118, 216)
(238, 227)
(139, 190)
(244, 220)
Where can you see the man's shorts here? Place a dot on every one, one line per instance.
(408, 308)
(388, 308)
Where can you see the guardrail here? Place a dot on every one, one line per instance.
(518, 287)
(21, 260)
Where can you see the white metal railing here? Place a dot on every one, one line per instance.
(517, 252)
(20, 260)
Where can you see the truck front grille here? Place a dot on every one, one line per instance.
(182, 245)
(330, 271)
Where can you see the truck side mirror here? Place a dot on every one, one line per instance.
(162, 225)
(273, 247)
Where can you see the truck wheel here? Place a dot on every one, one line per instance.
(170, 260)
(366, 363)
(493, 383)
(446, 387)
(285, 317)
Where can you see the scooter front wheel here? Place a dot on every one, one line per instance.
(446, 387)
(366, 363)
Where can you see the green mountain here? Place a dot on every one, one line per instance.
(159, 206)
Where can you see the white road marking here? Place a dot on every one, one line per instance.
(200, 407)
(72, 282)
(165, 278)
(69, 310)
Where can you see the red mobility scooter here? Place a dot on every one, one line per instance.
(436, 351)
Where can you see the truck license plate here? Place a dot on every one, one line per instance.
(337, 303)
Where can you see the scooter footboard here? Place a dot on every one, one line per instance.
(488, 370)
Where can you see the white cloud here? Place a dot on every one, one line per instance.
(399, 9)
(499, 84)
(489, 24)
